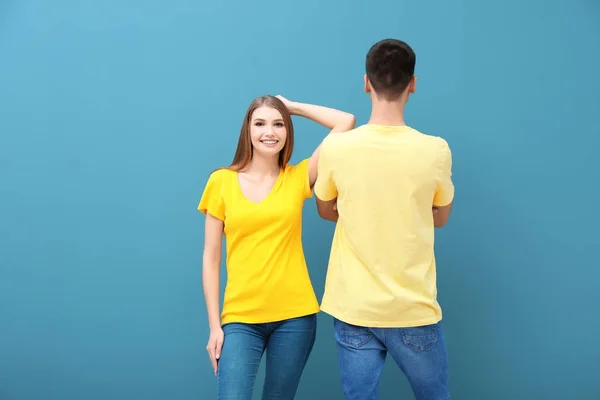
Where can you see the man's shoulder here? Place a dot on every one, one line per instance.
(424, 135)
(435, 142)
(342, 137)
(337, 142)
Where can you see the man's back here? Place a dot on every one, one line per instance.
(381, 281)
(382, 266)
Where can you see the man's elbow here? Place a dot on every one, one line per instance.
(327, 214)
(322, 213)
(438, 223)
(441, 215)
(327, 210)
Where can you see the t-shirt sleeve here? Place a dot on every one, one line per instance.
(325, 188)
(444, 193)
(299, 174)
(212, 197)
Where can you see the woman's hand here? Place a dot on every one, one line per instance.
(289, 104)
(214, 346)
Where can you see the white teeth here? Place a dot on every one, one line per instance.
(269, 141)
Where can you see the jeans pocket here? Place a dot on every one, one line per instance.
(420, 338)
(351, 335)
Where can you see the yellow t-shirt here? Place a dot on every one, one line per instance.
(267, 276)
(382, 269)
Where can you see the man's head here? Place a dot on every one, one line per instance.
(390, 68)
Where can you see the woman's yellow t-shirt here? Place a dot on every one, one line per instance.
(267, 276)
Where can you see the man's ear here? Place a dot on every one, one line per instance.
(412, 85)
(367, 84)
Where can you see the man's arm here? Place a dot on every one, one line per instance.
(444, 194)
(325, 190)
(327, 209)
(441, 215)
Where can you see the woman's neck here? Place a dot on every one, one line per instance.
(263, 166)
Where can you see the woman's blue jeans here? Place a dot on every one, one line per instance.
(287, 344)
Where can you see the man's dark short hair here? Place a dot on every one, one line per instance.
(390, 66)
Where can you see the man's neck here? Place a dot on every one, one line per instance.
(387, 113)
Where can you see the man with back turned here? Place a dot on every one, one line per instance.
(388, 186)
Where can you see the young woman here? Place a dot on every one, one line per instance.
(269, 303)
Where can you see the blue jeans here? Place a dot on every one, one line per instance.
(420, 352)
(287, 343)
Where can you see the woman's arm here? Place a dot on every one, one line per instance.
(211, 264)
(335, 120)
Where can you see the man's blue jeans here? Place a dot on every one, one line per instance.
(287, 343)
(420, 352)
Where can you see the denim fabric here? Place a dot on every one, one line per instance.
(288, 345)
(420, 352)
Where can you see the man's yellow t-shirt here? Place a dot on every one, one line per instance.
(382, 268)
(267, 276)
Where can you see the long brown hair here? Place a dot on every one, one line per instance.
(244, 152)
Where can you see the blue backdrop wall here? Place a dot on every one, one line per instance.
(113, 113)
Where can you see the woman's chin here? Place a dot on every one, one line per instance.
(269, 151)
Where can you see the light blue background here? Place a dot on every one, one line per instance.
(112, 114)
